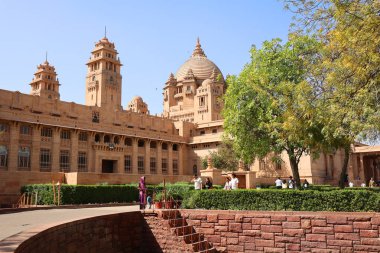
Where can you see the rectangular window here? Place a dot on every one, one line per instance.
(128, 164)
(175, 167)
(82, 161)
(3, 127)
(46, 132)
(24, 157)
(64, 161)
(140, 165)
(82, 136)
(45, 159)
(3, 156)
(164, 166)
(65, 134)
(25, 129)
(153, 165)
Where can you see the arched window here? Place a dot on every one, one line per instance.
(128, 142)
(141, 143)
(175, 147)
(164, 146)
(97, 138)
(116, 140)
(3, 156)
(153, 144)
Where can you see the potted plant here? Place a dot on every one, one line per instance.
(158, 200)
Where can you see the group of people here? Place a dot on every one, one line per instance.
(232, 183)
(371, 183)
(289, 184)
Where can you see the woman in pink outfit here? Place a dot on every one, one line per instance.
(142, 192)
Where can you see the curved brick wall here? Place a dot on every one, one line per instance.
(123, 232)
(319, 232)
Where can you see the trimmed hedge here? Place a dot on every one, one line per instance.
(289, 200)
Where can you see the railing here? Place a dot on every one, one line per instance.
(27, 199)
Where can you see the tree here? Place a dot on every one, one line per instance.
(269, 106)
(225, 158)
(349, 71)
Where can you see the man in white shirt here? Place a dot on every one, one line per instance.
(234, 182)
(197, 182)
(278, 183)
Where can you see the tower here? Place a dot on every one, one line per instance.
(45, 82)
(103, 79)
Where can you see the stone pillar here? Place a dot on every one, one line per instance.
(170, 158)
(181, 163)
(135, 152)
(74, 151)
(56, 149)
(14, 137)
(36, 148)
(361, 167)
(147, 157)
(91, 154)
(159, 157)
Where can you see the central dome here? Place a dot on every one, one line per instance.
(201, 66)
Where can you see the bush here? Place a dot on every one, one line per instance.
(290, 200)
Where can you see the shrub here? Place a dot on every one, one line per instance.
(291, 200)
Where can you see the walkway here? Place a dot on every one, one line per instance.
(14, 223)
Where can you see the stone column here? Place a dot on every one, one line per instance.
(36, 148)
(181, 157)
(170, 158)
(159, 158)
(361, 167)
(135, 152)
(56, 149)
(14, 137)
(90, 154)
(147, 156)
(74, 151)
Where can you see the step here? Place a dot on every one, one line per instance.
(180, 222)
(201, 245)
(183, 230)
(211, 250)
(191, 238)
(170, 214)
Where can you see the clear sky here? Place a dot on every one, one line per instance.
(153, 39)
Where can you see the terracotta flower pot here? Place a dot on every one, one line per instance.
(158, 205)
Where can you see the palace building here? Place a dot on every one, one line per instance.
(44, 139)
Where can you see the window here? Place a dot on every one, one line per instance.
(45, 159)
(153, 144)
(82, 161)
(25, 129)
(116, 140)
(214, 131)
(164, 146)
(141, 143)
(107, 139)
(127, 164)
(46, 132)
(202, 101)
(65, 134)
(175, 147)
(175, 167)
(202, 132)
(3, 127)
(128, 142)
(140, 165)
(95, 117)
(153, 165)
(64, 161)
(24, 157)
(82, 136)
(3, 156)
(164, 166)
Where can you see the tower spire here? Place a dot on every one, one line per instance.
(105, 31)
(198, 51)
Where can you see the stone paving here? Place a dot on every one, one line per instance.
(14, 223)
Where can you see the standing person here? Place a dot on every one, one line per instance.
(278, 183)
(371, 183)
(197, 182)
(208, 184)
(234, 182)
(142, 193)
(227, 185)
(291, 182)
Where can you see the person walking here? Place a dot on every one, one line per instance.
(234, 182)
(197, 182)
(278, 183)
(142, 193)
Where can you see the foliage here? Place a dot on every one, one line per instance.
(290, 200)
(269, 106)
(348, 74)
(225, 158)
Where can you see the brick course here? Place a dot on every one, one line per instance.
(253, 231)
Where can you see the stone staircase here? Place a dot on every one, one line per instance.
(186, 232)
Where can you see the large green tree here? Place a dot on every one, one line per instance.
(348, 74)
(269, 106)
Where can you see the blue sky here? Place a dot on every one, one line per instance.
(153, 39)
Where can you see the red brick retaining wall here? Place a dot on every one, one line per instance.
(242, 231)
(123, 232)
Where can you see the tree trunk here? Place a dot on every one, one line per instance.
(344, 168)
(294, 167)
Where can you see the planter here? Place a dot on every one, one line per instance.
(158, 205)
(169, 204)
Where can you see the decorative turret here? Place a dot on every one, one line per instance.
(45, 82)
(198, 51)
(103, 80)
(138, 105)
(172, 81)
(189, 75)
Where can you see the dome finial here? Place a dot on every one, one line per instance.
(198, 51)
